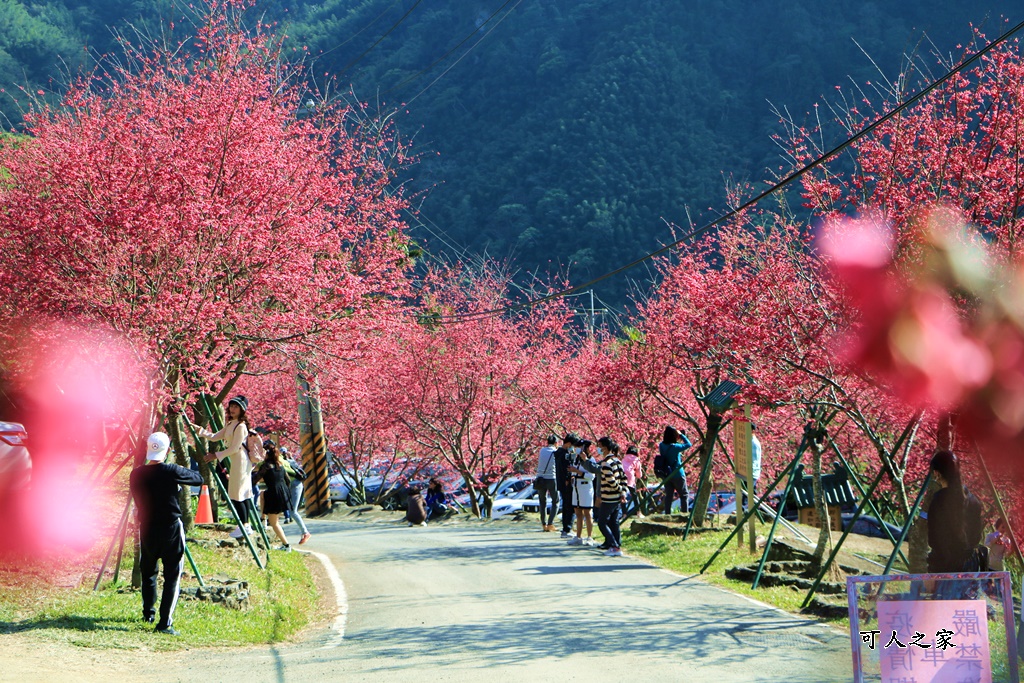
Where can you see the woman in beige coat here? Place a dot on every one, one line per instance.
(234, 434)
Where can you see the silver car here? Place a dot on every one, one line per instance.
(15, 461)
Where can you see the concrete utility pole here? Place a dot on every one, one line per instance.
(314, 448)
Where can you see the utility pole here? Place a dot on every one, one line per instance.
(314, 447)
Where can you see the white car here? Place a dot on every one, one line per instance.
(15, 461)
(506, 488)
(524, 500)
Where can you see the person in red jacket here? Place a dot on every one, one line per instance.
(154, 488)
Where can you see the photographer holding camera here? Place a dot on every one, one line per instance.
(154, 488)
(673, 444)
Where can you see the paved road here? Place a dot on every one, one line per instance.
(492, 602)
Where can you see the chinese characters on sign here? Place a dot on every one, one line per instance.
(958, 652)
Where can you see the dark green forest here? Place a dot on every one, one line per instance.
(559, 135)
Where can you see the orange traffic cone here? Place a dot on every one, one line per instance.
(204, 513)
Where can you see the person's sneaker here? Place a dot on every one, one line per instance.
(615, 552)
(305, 537)
(237, 533)
(575, 540)
(566, 534)
(423, 523)
(149, 620)
(287, 548)
(167, 631)
(588, 541)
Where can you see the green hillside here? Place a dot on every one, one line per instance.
(568, 131)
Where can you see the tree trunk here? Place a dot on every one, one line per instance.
(700, 502)
(182, 458)
(824, 548)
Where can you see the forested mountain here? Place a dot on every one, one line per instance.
(560, 132)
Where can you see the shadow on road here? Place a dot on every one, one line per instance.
(584, 569)
(736, 636)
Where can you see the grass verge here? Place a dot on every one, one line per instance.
(283, 599)
(672, 553)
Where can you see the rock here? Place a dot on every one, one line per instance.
(232, 593)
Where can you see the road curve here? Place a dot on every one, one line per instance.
(470, 602)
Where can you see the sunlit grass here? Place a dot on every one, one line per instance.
(687, 558)
(282, 600)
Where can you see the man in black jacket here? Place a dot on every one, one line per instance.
(562, 457)
(154, 488)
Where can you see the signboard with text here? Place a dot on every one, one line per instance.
(933, 628)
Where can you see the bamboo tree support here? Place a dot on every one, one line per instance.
(224, 492)
(750, 511)
(1002, 510)
(195, 568)
(907, 524)
(257, 518)
(118, 535)
(871, 504)
(775, 522)
(120, 547)
(842, 539)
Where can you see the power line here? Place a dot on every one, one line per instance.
(795, 175)
(386, 34)
(463, 55)
(443, 57)
(359, 32)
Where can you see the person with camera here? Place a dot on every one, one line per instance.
(546, 485)
(613, 495)
(673, 444)
(582, 471)
(154, 489)
(240, 461)
(563, 458)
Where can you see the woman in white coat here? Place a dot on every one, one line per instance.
(583, 470)
(235, 434)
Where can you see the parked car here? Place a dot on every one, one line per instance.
(15, 461)
(343, 488)
(524, 500)
(502, 489)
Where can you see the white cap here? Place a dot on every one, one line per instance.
(156, 447)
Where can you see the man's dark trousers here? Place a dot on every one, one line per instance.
(568, 511)
(169, 551)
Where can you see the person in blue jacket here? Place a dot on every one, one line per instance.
(673, 444)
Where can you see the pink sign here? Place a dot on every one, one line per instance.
(932, 641)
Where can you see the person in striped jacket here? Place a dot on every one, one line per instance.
(613, 495)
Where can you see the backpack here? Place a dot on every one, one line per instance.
(296, 469)
(254, 448)
(661, 469)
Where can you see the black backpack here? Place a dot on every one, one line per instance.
(661, 469)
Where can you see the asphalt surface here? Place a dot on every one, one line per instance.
(503, 601)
